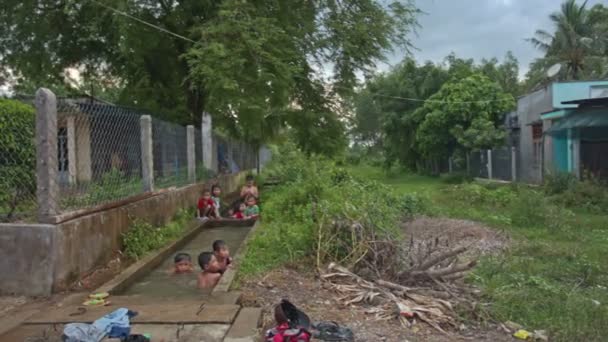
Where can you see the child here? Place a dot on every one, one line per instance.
(222, 255)
(216, 191)
(182, 263)
(249, 189)
(206, 206)
(210, 275)
(240, 213)
(289, 328)
(252, 211)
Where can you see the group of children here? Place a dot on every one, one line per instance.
(212, 264)
(246, 207)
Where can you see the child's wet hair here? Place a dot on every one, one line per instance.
(206, 191)
(179, 257)
(215, 187)
(204, 259)
(250, 197)
(249, 178)
(218, 245)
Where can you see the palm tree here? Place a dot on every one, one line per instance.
(575, 43)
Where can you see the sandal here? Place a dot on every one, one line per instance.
(332, 331)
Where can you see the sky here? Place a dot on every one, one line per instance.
(480, 28)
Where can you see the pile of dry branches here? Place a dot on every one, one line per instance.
(412, 283)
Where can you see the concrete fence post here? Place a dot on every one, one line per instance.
(72, 162)
(513, 164)
(450, 164)
(468, 157)
(489, 164)
(207, 141)
(47, 173)
(191, 154)
(147, 158)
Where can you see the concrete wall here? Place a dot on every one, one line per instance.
(40, 259)
(529, 109)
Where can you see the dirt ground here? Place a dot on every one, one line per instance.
(454, 233)
(88, 282)
(307, 292)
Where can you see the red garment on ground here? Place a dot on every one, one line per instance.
(282, 333)
(238, 215)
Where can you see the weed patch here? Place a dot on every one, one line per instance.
(142, 237)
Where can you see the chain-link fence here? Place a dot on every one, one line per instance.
(234, 156)
(92, 153)
(98, 153)
(17, 160)
(498, 163)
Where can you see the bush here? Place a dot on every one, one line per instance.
(17, 156)
(559, 183)
(142, 237)
(320, 213)
(456, 178)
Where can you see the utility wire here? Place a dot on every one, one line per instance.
(192, 41)
(143, 22)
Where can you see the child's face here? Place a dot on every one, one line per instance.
(213, 265)
(242, 207)
(206, 195)
(217, 192)
(183, 266)
(250, 182)
(223, 253)
(251, 201)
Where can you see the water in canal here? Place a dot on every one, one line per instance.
(159, 283)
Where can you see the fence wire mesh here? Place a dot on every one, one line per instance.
(99, 153)
(98, 156)
(17, 161)
(170, 151)
(501, 164)
(234, 156)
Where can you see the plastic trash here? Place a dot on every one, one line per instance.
(522, 334)
(114, 325)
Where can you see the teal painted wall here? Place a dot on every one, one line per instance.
(560, 153)
(570, 91)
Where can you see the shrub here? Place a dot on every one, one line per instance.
(142, 237)
(321, 212)
(558, 183)
(456, 178)
(17, 156)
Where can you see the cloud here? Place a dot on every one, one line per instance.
(480, 29)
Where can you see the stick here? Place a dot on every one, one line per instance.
(440, 257)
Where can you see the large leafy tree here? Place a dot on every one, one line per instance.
(464, 115)
(392, 99)
(578, 42)
(253, 64)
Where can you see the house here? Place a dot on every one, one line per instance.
(542, 147)
(580, 137)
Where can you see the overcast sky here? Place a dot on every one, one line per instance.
(481, 28)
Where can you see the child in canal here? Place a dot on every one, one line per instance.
(222, 255)
(206, 206)
(216, 191)
(210, 275)
(249, 189)
(252, 211)
(240, 212)
(182, 263)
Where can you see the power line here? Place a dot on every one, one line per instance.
(439, 101)
(143, 22)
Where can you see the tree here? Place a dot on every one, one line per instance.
(17, 156)
(243, 61)
(578, 41)
(464, 115)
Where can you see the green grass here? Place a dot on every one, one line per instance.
(399, 181)
(555, 272)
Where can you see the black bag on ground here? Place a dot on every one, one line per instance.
(325, 330)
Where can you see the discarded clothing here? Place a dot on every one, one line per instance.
(114, 325)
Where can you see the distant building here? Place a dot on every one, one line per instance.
(551, 135)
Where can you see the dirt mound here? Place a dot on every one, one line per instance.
(450, 233)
